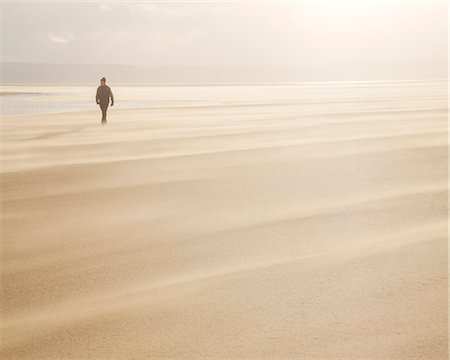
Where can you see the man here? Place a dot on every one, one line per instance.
(104, 93)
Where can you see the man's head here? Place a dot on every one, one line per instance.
(102, 81)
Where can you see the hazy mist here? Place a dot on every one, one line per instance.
(224, 42)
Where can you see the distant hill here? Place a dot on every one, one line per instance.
(27, 73)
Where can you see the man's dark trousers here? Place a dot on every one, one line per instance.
(104, 107)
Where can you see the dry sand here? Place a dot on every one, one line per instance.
(303, 228)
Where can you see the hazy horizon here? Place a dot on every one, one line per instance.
(83, 74)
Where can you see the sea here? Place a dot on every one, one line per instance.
(20, 100)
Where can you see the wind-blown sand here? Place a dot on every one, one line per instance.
(310, 226)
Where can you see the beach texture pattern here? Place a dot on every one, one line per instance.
(302, 221)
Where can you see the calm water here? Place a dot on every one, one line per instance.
(25, 100)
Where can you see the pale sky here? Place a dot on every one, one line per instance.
(238, 34)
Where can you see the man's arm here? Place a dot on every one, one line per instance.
(112, 97)
(97, 97)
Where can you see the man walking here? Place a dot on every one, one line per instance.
(104, 93)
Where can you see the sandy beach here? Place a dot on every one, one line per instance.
(305, 222)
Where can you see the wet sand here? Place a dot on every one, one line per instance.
(306, 227)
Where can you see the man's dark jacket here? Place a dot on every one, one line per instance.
(104, 93)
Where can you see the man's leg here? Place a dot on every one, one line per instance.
(104, 107)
